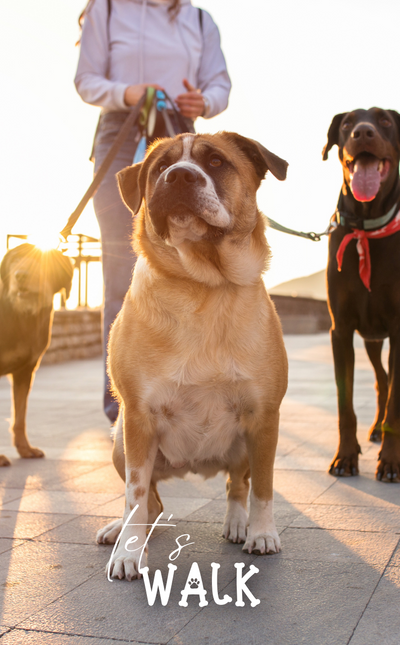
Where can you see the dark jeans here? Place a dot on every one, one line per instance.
(115, 222)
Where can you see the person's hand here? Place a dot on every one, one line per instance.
(190, 104)
(133, 93)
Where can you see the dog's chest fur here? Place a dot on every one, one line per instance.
(205, 392)
(198, 413)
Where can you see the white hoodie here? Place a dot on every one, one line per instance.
(141, 43)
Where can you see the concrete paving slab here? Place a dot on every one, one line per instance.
(37, 573)
(3, 630)
(29, 525)
(39, 473)
(349, 518)
(100, 480)
(299, 462)
(299, 603)
(360, 491)
(338, 535)
(380, 622)
(207, 538)
(121, 608)
(80, 530)
(6, 544)
(215, 510)
(193, 486)
(300, 486)
(374, 549)
(23, 637)
(180, 507)
(11, 494)
(59, 502)
(115, 508)
(395, 560)
(295, 461)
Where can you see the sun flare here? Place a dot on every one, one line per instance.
(45, 240)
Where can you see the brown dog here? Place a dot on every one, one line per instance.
(29, 280)
(196, 353)
(364, 294)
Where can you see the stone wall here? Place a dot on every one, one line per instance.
(76, 334)
(302, 315)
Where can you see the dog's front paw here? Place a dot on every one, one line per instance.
(235, 524)
(109, 533)
(263, 543)
(345, 464)
(28, 452)
(388, 469)
(4, 461)
(126, 565)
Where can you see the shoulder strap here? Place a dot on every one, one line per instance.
(200, 19)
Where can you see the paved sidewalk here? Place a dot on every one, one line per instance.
(336, 581)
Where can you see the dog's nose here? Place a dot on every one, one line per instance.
(181, 176)
(364, 131)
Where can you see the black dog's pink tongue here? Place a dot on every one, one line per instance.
(365, 180)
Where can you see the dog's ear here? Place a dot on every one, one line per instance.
(396, 117)
(61, 271)
(261, 158)
(333, 134)
(4, 272)
(132, 192)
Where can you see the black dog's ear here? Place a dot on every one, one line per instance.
(61, 271)
(396, 117)
(261, 158)
(132, 192)
(333, 134)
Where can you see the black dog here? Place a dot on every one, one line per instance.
(29, 280)
(364, 278)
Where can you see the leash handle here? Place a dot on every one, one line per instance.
(109, 158)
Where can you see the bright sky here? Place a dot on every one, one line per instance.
(294, 65)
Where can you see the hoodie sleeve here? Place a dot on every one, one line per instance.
(212, 77)
(91, 80)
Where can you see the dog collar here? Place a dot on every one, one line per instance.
(347, 219)
(362, 238)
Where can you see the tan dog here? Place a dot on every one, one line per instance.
(196, 353)
(29, 279)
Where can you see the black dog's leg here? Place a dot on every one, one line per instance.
(388, 469)
(21, 385)
(374, 351)
(345, 462)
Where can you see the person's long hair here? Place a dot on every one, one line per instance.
(173, 9)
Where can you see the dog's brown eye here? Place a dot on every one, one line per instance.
(385, 123)
(215, 162)
(346, 125)
(162, 167)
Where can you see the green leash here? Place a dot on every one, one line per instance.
(315, 237)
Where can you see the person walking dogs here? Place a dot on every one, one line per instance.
(127, 46)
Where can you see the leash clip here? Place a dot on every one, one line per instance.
(315, 237)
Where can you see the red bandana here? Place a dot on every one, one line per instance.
(363, 247)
